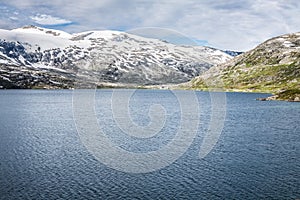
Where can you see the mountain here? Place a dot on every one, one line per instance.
(232, 53)
(34, 57)
(273, 67)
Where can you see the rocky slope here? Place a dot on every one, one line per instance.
(273, 67)
(37, 57)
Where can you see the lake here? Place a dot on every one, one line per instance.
(45, 155)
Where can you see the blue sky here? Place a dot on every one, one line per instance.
(226, 24)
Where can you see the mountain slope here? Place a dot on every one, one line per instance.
(273, 66)
(97, 57)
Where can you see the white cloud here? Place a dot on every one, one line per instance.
(13, 18)
(226, 24)
(43, 19)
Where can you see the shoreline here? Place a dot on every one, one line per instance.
(295, 97)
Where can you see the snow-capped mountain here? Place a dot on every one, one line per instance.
(233, 53)
(39, 57)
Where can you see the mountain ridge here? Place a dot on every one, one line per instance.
(99, 57)
(272, 67)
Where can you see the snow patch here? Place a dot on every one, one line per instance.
(44, 31)
(106, 34)
(287, 44)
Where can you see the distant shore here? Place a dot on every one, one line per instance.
(291, 95)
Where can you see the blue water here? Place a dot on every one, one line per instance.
(42, 157)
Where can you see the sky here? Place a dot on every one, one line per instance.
(238, 25)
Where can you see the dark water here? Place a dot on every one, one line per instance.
(41, 156)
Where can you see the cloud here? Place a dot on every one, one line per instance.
(225, 24)
(44, 19)
(13, 18)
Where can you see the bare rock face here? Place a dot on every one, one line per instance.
(97, 57)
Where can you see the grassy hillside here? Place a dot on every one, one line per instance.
(272, 67)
